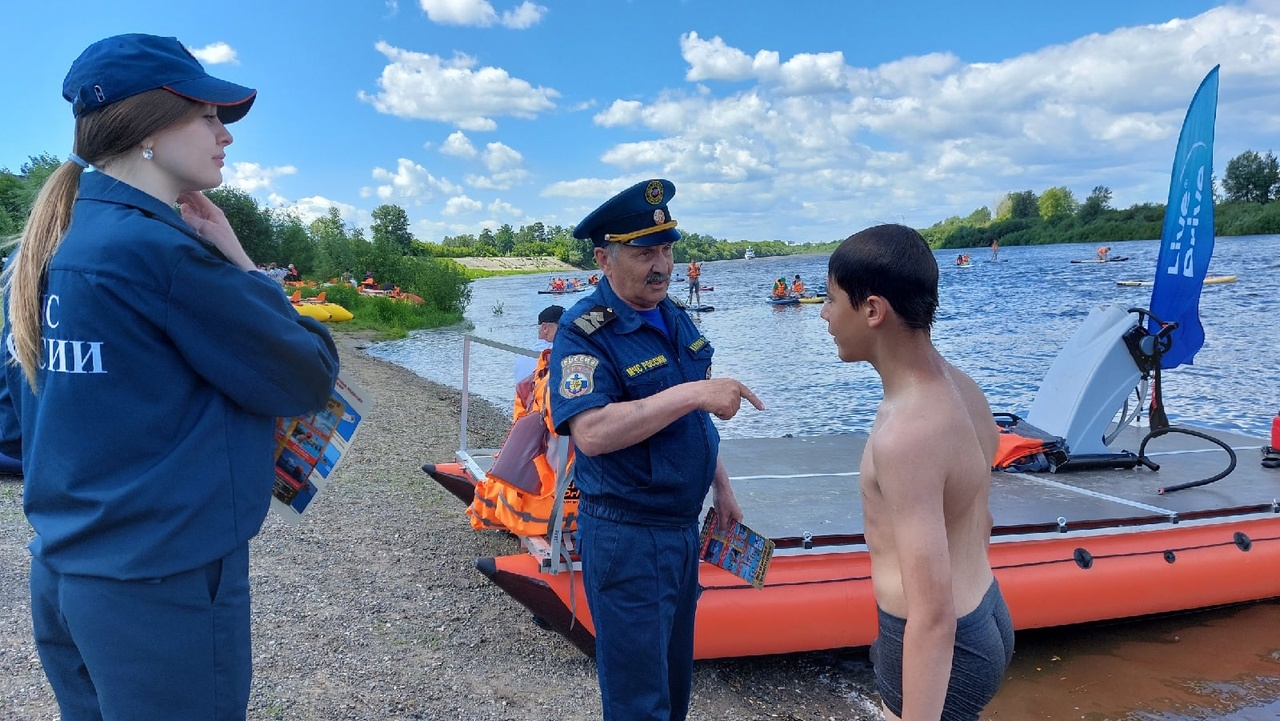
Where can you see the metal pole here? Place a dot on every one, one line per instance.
(466, 375)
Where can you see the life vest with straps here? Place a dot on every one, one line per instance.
(1022, 447)
(518, 492)
(694, 272)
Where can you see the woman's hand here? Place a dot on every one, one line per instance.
(210, 223)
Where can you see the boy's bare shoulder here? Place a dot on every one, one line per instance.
(912, 428)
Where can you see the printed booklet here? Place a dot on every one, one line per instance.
(308, 448)
(742, 552)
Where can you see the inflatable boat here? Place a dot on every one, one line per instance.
(1067, 548)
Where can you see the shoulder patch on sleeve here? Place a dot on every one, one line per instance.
(577, 375)
(594, 319)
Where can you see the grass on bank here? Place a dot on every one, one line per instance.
(444, 287)
(388, 317)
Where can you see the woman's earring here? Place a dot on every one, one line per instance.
(147, 154)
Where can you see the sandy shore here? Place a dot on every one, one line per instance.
(372, 607)
(527, 263)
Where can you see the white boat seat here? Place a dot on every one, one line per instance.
(1088, 382)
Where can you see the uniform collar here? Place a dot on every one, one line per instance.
(626, 317)
(104, 188)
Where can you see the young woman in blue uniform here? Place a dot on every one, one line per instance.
(631, 381)
(148, 359)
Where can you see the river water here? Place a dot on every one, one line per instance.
(1003, 323)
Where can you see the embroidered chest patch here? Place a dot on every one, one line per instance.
(646, 365)
(577, 375)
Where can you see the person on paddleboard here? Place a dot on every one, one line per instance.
(694, 274)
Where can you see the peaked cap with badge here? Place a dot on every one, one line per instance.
(636, 216)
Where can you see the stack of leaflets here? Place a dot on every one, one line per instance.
(309, 447)
(741, 551)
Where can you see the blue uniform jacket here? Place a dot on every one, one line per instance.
(149, 448)
(605, 352)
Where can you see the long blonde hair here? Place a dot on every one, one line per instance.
(102, 135)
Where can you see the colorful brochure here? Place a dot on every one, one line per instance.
(742, 551)
(308, 448)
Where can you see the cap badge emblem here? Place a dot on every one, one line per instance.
(654, 192)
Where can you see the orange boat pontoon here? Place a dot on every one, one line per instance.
(1068, 548)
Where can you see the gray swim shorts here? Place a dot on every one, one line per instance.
(984, 648)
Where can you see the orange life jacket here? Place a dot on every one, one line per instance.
(500, 505)
(694, 272)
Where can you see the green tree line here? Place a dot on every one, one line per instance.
(328, 247)
(324, 249)
(1243, 205)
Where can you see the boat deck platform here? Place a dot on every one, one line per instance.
(790, 487)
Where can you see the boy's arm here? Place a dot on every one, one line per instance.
(911, 474)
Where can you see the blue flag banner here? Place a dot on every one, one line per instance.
(1186, 241)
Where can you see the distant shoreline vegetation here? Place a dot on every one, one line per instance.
(328, 248)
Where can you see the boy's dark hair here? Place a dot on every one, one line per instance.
(893, 262)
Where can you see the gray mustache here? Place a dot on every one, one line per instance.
(657, 278)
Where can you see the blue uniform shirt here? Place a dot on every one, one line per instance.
(604, 353)
(149, 448)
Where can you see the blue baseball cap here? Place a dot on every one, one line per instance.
(636, 216)
(126, 65)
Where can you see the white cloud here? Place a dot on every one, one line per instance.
(317, 206)
(505, 166)
(713, 59)
(421, 86)
(756, 135)
(215, 54)
(460, 205)
(458, 145)
(408, 182)
(621, 112)
(480, 13)
(802, 74)
(500, 208)
(498, 157)
(252, 177)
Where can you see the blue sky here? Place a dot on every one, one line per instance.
(796, 120)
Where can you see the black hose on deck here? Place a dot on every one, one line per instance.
(1190, 484)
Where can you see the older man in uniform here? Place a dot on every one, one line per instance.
(631, 382)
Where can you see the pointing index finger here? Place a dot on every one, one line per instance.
(751, 397)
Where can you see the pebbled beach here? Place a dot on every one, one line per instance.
(372, 608)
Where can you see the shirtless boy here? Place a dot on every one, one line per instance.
(945, 636)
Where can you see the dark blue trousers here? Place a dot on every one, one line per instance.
(642, 590)
(167, 648)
